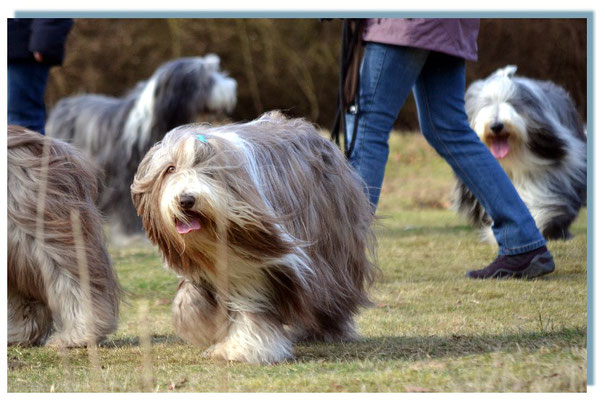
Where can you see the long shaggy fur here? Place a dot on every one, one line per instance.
(534, 130)
(270, 230)
(45, 295)
(117, 132)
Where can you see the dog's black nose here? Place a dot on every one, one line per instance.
(497, 127)
(187, 201)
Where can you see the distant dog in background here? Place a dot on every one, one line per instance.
(534, 130)
(45, 295)
(270, 230)
(117, 132)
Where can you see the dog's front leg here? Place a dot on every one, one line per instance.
(257, 338)
(195, 313)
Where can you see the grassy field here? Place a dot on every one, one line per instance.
(431, 330)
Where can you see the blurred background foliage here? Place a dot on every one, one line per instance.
(292, 64)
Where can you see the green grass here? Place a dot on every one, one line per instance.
(432, 329)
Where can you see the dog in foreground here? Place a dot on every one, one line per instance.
(117, 132)
(45, 291)
(533, 129)
(270, 230)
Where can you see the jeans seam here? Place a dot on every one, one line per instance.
(360, 144)
(378, 78)
(505, 236)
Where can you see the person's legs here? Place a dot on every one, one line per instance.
(387, 73)
(386, 78)
(26, 84)
(439, 94)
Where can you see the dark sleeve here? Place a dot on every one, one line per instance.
(48, 37)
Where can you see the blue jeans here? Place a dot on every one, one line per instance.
(26, 84)
(387, 75)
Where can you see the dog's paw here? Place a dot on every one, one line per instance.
(62, 341)
(226, 352)
(233, 352)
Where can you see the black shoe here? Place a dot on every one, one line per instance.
(528, 265)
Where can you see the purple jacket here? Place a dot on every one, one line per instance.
(454, 36)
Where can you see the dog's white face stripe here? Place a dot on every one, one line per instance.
(185, 180)
(496, 93)
(187, 152)
(483, 119)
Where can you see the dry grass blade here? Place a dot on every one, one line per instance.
(223, 285)
(93, 354)
(146, 347)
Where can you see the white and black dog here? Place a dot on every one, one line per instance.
(534, 130)
(117, 132)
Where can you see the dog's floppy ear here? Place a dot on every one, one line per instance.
(144, 178)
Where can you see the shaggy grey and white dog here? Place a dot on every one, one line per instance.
(268, 227)
(117, 132)
(46, 297)
(534, 130)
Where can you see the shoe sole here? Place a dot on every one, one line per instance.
(540, 265)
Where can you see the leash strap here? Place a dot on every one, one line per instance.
(351, 54)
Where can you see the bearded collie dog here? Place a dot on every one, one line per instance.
(49, 302)
(533, 129)
(270, 230)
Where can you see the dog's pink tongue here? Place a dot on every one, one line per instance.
(183, 227)
(499, 147)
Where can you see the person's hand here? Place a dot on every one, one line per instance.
(38, 56)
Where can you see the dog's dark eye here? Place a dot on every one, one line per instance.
(170, 169)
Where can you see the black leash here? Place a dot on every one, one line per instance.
(348, 79)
